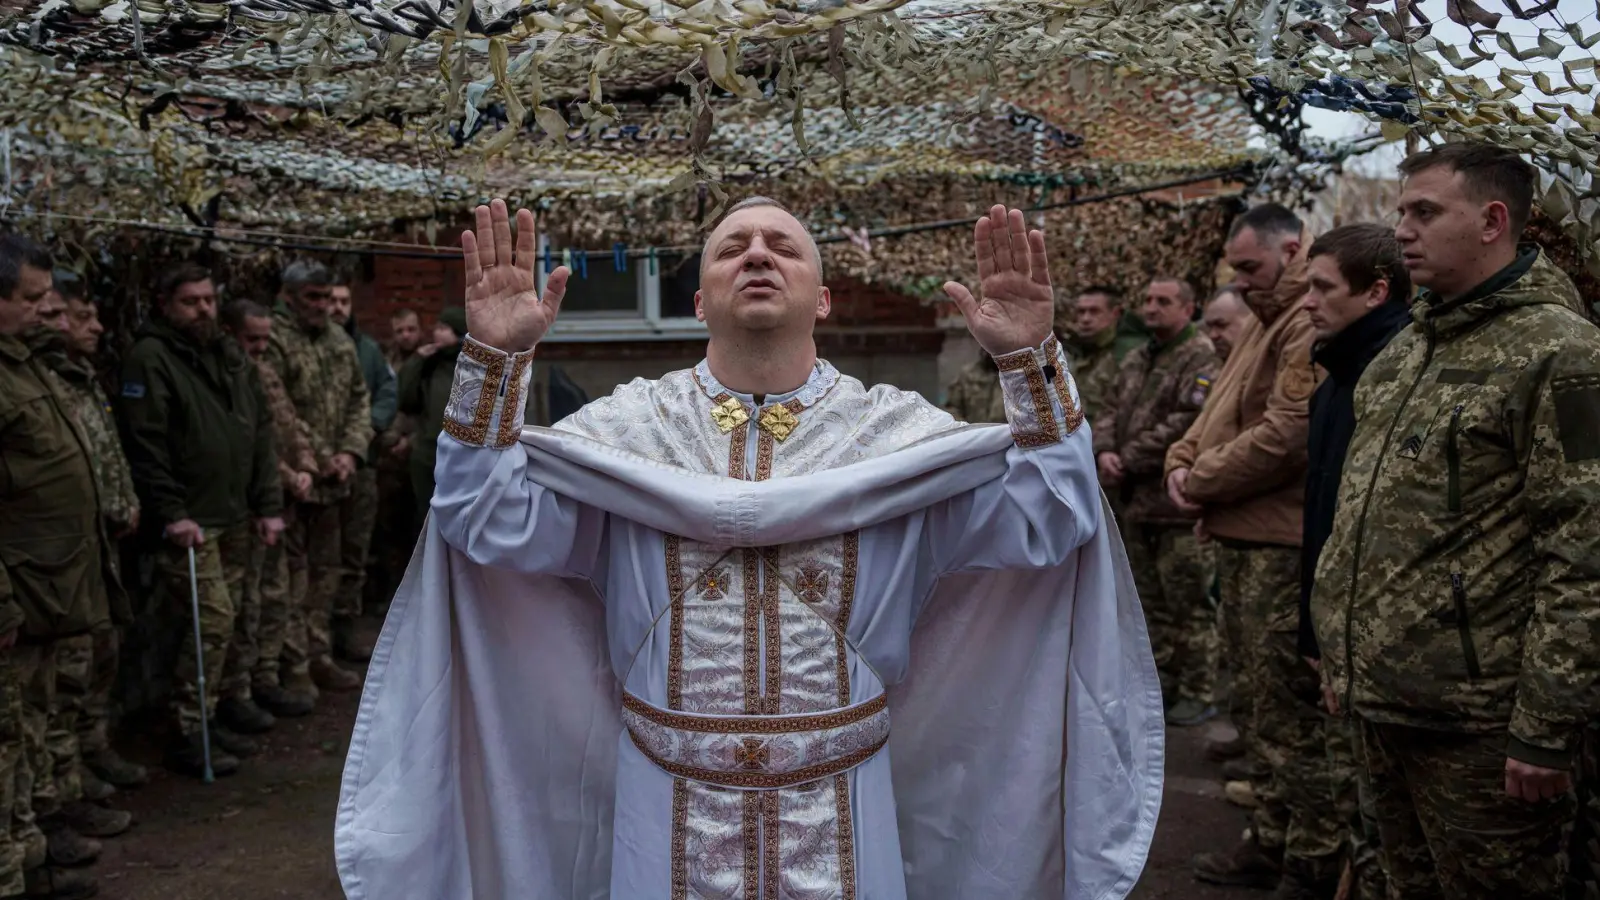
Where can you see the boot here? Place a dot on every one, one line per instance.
(1222, 751)
(1187, 713)
(302, 684)
(240, 714)
(348, 644)
(187, 757)
(232, 742)
(1308, 879)
(1241, 794)
(60, 884)
(95, 821)
(1247, 865)
(67, 847)
(109, 765)
(93, 787)
(283, 703)
(330, 677)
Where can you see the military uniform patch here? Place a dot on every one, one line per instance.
(1577, 402)
(133, 390)
(1202, 388)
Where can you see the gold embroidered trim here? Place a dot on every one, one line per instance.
(511, 409)
(754, 704)
(476, 434)
(764, 450)
(752, 845)
(1074, 415)
(770, 834)
(675, 640)
(762, 781)
(847, 595)
(773, 625)
(681, 721)
(847, 837)
(680, 839)
(1026, 362)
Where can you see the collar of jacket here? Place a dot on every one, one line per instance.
(12, 348)
(286, 319)
(1531, 279)
(1289, 291)
(1094, 343)
(1157, 348)
(1347, 354)
(224, 350)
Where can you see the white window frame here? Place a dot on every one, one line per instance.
(647, 325)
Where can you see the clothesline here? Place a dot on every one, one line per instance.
(577, 258)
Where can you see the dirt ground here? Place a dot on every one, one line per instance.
(267, 831)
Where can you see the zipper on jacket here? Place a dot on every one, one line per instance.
(1458, 594)
(1452, 459)
(1361, 523)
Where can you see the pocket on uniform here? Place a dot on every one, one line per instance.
(48, 577)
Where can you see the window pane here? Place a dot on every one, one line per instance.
(680, 278)
(605, 290)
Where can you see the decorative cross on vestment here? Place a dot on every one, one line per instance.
(752, 755)
(777, 420)
(812, 584)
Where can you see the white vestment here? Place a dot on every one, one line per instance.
(614, 671)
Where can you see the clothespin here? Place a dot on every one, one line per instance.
(651, 255)
(549, 262)
(619, 257)
(582, 258)
(566, 259)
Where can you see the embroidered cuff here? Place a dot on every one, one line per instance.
(1040, 396)
(487, 397)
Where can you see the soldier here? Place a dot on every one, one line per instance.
(322, 374)
(1096, 345)
(52, 571)
(199, 439)
(975, 394)
(1357, 303)
(424, 393)
(405, 336)
(1242, 467)
(1225, 317)
(1455, 600)
(359, 511)
(87, 664)
(268, 611)
(1159, 393)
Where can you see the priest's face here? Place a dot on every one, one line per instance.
(761, 272)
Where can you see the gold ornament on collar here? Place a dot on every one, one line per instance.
(729, 414)
(778, 421)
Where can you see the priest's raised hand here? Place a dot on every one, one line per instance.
(1015, 306)
(504, 309)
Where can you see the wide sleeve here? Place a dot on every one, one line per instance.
(355, 432)
(1273, 448)
(146, 407)
(1556, 693)
(484, 502)
(1146, 453)
(1047, 503)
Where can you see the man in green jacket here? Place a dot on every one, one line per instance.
(1457, 601)
(424, 393)
(198, 433)
(1096, 344)
(53, 573)
(359, 511)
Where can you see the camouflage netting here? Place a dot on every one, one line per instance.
(346, 116)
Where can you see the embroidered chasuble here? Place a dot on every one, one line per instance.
(693, 644)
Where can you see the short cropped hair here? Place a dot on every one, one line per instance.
(17, 251)
(1268, 220)
(1113, 295)
(1489, 173)
(402, 314)
(234, 314)
(178, 276)
(305, 272)
(752, 203)
(1365, 253)
(1185, 289)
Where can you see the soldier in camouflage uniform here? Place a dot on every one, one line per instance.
(268, 611)
(322, 374)
(87, 664)
(1160, 391)
(1455, 601)
(1096, 345)
(975, 394)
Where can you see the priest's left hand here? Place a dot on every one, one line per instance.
(1017, 308)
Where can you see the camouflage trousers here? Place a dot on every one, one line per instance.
(358, 516)
(22, 844)
(267, 588)
(220, 567)
(86, 671)
(1448, 828)
(1307, 798)
(313, 548)
(1172, 571)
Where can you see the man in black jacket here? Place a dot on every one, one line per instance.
(198, 432)
(1358, 299)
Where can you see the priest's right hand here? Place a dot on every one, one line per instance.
(504, 309)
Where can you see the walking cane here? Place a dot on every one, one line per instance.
(200, 666)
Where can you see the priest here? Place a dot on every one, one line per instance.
(754, 630)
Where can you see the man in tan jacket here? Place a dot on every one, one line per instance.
(1242, 468)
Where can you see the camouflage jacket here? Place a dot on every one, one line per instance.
(323, 377)
(975, 394)
(118, 501)
(1095, 363)
(288, 431)
(1460, 589)
(1158, 395)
